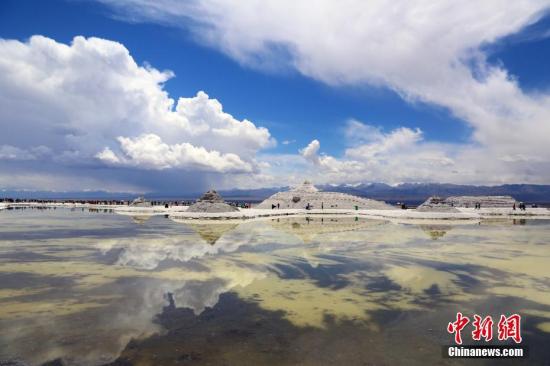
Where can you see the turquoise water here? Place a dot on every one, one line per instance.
(96, 288)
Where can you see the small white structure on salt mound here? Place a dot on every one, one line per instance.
(211, 201)
(308, 195)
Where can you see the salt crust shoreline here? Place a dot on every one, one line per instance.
(179, 212)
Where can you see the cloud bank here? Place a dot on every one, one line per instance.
(427, 52)
(88, 109)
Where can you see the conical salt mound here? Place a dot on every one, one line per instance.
(307, 195)
(211, 196)
(211, 201)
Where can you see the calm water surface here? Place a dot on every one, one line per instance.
(96, 288)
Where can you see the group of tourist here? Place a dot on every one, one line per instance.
(308, 206)
(54, 201)
(240, 204)
(521, 206)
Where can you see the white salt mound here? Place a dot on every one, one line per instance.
(307, 193)
(211, 201)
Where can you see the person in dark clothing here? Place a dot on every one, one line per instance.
(278, 206)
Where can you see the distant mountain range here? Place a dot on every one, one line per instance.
(411, 193)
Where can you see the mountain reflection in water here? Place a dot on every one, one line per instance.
(99, 288)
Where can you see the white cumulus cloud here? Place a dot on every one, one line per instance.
(90, 103)
(403, 155)
(310, 152)
(150, 152)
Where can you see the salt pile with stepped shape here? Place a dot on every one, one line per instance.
(436, 204)
(211, 201)
(450, 204)
(307, 194)
(485, 201)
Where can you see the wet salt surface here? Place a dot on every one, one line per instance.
(96, 288)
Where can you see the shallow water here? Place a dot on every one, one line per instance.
(95, 288)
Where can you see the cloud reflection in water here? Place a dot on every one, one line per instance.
(337, 269)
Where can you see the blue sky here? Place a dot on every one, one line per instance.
(303, 104)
